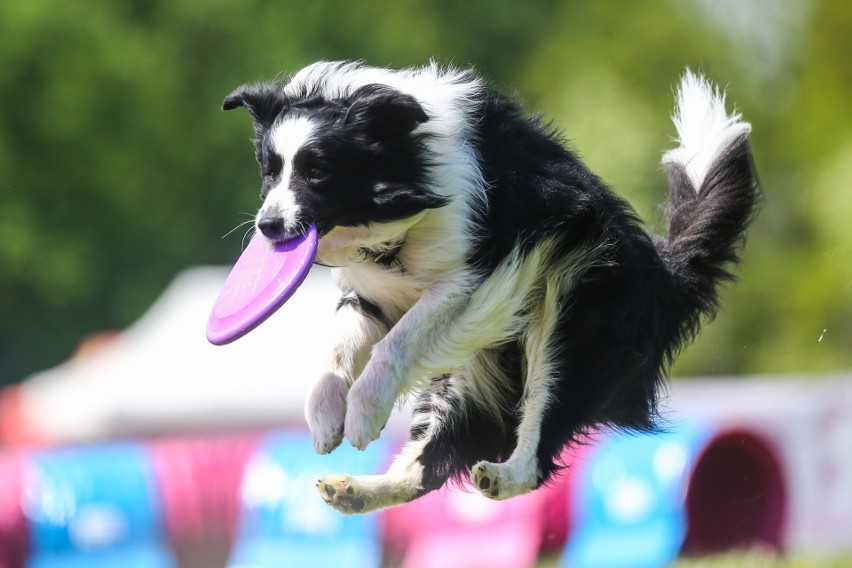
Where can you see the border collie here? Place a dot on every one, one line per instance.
(485, 270)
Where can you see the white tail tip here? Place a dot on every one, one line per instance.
(704, 128)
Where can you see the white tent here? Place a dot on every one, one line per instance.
(162, 375)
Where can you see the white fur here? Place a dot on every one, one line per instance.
(519, 474)
(704, 128)
(445, 331)
(325, 408)
(287, 138)
(444, 317)
(441, 92)
(419, 314)
(434, 287)
(392, 368)
(364, 493)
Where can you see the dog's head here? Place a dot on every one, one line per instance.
(355, 161)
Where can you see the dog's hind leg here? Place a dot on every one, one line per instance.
(448, 434)
(407, 477)
(522, 472)
(364, 493)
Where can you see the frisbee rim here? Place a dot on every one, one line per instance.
(223, 329)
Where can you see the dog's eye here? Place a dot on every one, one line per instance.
(272, 165)
(314, 172)
(311, 166)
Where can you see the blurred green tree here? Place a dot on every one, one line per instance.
(117, 170)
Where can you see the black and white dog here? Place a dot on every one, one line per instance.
(485, 269)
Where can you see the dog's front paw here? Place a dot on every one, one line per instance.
(368, 407)
(325, 412)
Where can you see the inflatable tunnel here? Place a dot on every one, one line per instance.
(644, 499)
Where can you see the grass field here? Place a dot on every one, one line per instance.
(765, 560)
(749, 560)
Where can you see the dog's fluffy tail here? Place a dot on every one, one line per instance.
(714, 191)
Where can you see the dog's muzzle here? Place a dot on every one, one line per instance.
(273, 228)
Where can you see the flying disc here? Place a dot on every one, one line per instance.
(263, 278)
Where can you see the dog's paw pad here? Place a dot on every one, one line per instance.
(486, 479)
(504, 480)
(340, 493)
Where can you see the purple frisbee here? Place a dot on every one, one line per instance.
(263, 278)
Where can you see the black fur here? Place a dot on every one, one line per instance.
(367, 135)
(375, 156)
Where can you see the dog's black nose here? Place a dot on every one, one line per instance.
(272, 227)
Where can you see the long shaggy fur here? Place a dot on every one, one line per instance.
(485, 270)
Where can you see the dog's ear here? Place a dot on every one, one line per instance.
(264, 102)
(382, 109)
(236, 99)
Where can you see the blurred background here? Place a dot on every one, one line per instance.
(121, 182)
(117, 169)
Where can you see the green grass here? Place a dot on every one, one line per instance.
(751, 559)
(765, 560)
